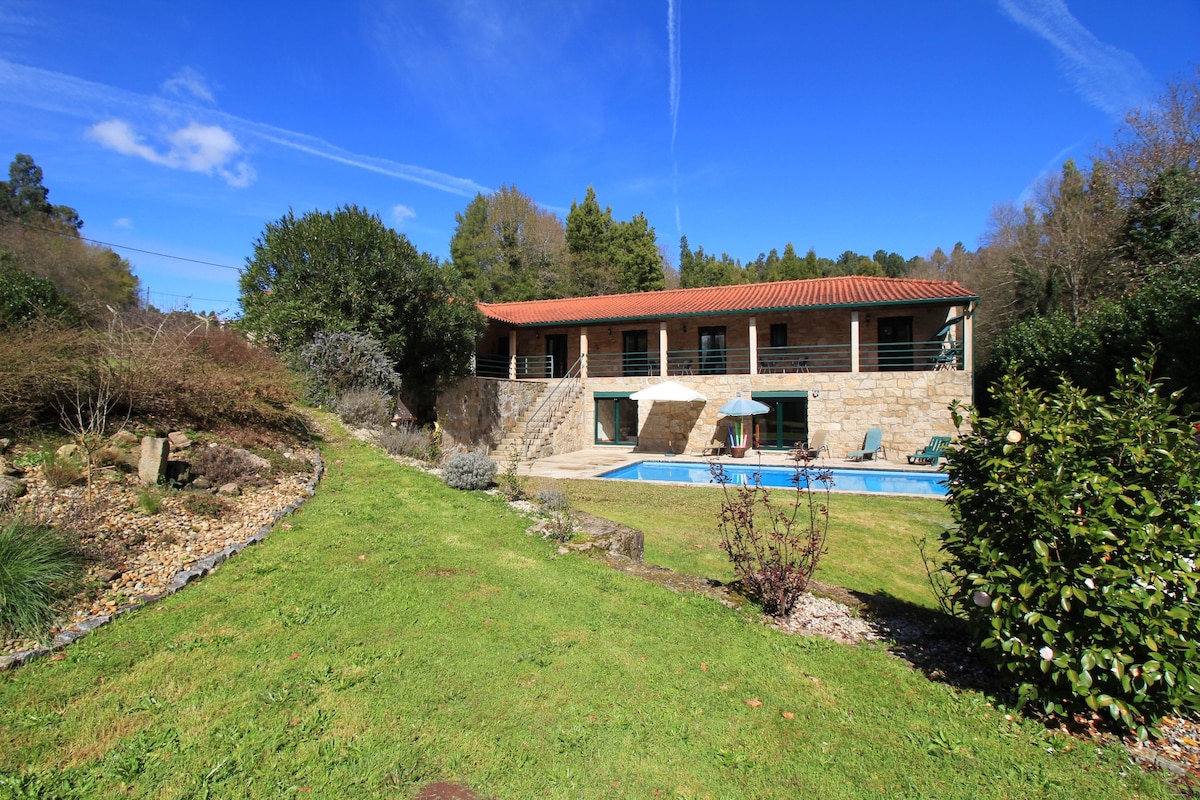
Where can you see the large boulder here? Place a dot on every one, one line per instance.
(152, 466)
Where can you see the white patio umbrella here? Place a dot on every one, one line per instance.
(668, 391)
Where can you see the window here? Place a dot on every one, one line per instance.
(712, 350)
(779, 334)
(895, 343)
(634, 358)
(786, 425)
(556, 352)
(616, 419)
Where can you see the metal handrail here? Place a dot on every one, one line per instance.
(571, 380)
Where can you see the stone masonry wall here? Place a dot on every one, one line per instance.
(475, 413)
(909, 406)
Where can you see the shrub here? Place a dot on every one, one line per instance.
(338, 362)
(39, 566)
(363, 407)
(1075, 547)
(206, 505)
(221, 464)
(149, 501)
(469, 471)
(60, 473)
(512, 485)
(410, 442)
(775, 548)
(557, 507)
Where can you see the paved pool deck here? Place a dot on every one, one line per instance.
(592, 461)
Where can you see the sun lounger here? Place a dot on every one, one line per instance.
(931, 453)
(872, 446)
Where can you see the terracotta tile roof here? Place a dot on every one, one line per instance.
(812, 293)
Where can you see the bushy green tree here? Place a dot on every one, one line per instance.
(346, 271)
(25, 297)
(1074, 549)
(507, 249)
(24, 197)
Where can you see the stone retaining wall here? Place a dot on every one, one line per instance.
(475, 413)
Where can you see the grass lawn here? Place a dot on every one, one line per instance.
(397, 632)
(871, 547)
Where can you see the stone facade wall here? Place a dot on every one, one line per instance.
(476, 412)
(909, 406)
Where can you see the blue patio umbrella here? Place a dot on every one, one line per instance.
(742, 407)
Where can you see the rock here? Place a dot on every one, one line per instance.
(258, 462)
(10, 489)
(179, 440)
(68, 451)
(230, 489)
(7, 468)
(107, 575)
(124, 440)
(611, 536)
(5, 444)
(202, 483)
(153, 464)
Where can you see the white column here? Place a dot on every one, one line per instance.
(512, 355)
(968, 338)
(753, 346)
(583, 353)
(662, 349)
(854, 341)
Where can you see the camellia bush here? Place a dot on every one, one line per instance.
(1075, 545)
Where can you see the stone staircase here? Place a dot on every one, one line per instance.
(533, 435)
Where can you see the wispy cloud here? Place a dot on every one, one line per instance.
(674, 63)
(124, 222)
(207, 149)
(189, 82)
(1108, 78)
(675, 67)
(402, 214)
(75, 97)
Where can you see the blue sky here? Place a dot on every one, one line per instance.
(183, 129)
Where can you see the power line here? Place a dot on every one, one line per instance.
(127, 247)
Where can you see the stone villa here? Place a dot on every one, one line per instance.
(841, 354)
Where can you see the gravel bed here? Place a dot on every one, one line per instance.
(135, 556)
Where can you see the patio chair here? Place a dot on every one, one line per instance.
(931, 453)
(872, 446)
(813, 448)
(716, 445)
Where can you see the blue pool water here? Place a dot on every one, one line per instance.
(883, 481)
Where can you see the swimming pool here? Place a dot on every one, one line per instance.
(881, 481)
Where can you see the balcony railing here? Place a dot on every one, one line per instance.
(899, 357)
(527, 366)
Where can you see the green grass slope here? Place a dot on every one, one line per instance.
(397, 632)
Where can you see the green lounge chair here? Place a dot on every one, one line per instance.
(932, 452)
(872, 445)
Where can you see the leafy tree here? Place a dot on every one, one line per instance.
(24, 198)
(43, 240)
(1162, 226)
(1163, 136)
(633, 249)
(508, 249)
(25, 297)
(1074, 549)
(346, 271)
